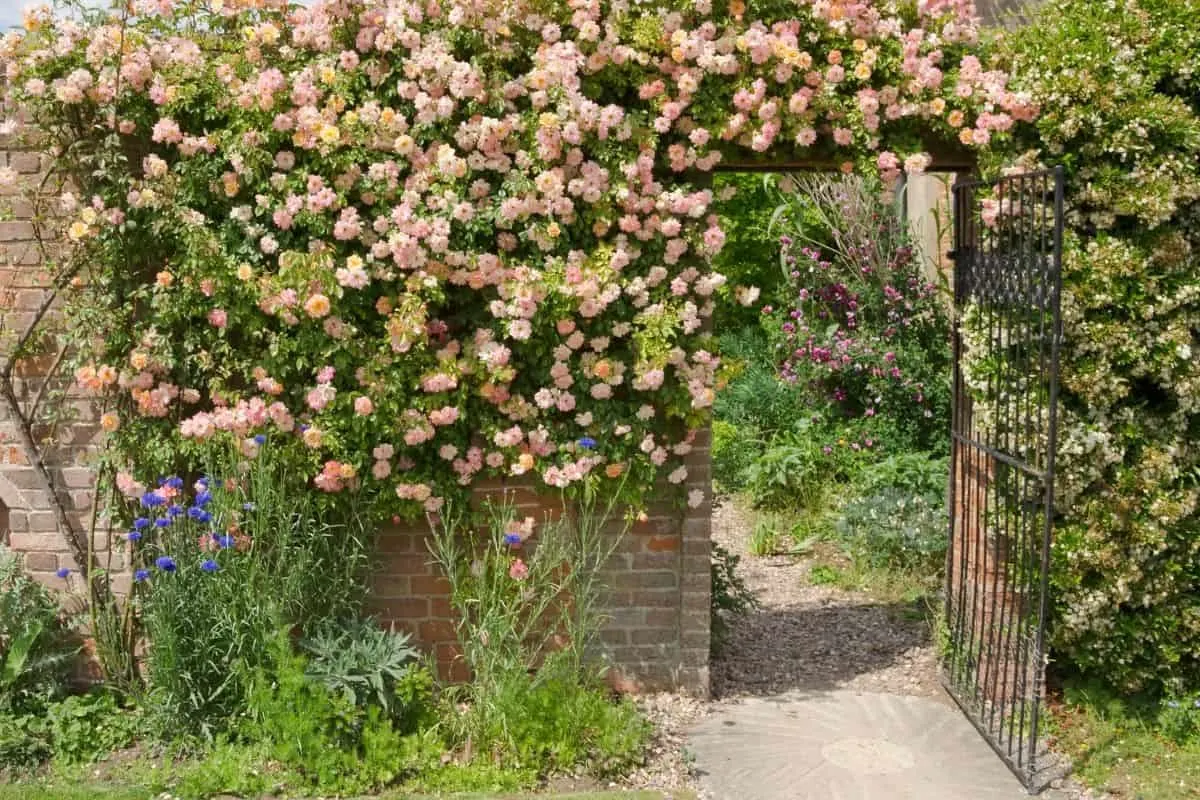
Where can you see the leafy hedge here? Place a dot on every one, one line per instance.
(1120, 94)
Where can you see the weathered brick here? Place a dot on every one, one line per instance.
(614, 636)
(41, 562)
(437, 630)
(661, 617)
(407, 607)
(28, 542)
(391, 586)
(16, 230)
(25, 162)
(429, 585)
(657, 579)
(653, 635)
(408, 564)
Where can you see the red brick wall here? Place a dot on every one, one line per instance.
(658, 633)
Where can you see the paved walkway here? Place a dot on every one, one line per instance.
(845, 745)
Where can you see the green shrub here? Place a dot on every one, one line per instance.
(865, 334)
(363, 662)
(1179, 717)
(35, 646)
(1120, 101)
(225, 768)
(734, 451)
(87, 727)
(335, 745)
(914, 472)
(896, 529)
(756, 399)
(24, 742)
(797, 468)
(554, 723)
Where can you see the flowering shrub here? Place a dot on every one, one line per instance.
(446, 240)
(1122, 102)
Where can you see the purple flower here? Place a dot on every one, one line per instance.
(141, 575)
(208, 565)
(587, 443)
(165, 563)
(133, 536)
(512, 539)
(141, 523)
(162, 522)
(63, 572)
(224, 541)
(153, 499)
(260, 439)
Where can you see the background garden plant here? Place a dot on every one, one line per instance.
(836, 414)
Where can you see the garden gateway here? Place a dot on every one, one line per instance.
(432, 252)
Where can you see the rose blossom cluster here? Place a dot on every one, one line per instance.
(451, 202)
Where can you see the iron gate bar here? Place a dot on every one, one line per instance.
(1008, 286)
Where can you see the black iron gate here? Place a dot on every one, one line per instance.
(1008, 327)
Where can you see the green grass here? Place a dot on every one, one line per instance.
(97, 791)
(1116, 747)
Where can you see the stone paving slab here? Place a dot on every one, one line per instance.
(843, 745)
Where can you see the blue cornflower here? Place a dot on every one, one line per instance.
(141, 523)
(153, 499)
(587, 443)
(224, 541)
(174, 510)
(141, 575)
(63, 572)
(512, 538)
(203, 482)
(203, 498)
(260, 439)
(175, 482)
(162, 522)
(199, 514)
(165, 563)
(247, 506)
(208, 565)
(133, 536)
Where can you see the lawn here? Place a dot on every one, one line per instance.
(77, 791)
(1115, 746)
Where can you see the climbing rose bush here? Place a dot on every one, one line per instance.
(437, 241)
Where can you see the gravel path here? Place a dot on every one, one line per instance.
(810, 638)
